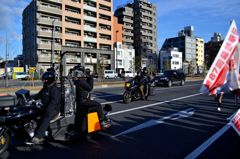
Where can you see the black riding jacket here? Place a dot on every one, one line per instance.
(50, 97)
(83, 88)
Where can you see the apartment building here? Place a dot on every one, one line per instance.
(170, 59)
(125, 17)
(83, 27)
(139, 29)
(211, 48)
(200, 54)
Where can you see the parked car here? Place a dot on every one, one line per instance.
(170, 77)
(22, 75)
(110, 74)
(129, 74)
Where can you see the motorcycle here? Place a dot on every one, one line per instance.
(132, 91)
(20, 121)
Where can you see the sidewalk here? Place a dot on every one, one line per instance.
(97, 85)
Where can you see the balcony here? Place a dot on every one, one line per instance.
(47, 46)
(56, 1)
(48, 21)
(128, 34)
(48, 34)
(90, 39)
(49, 9)
(89, 18)
(90, 8)
(127, 20)
(47, 58)
(89, 28)
(147, 7)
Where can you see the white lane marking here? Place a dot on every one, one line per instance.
(207, 143)
(112, 102)
(154, 104)
(181, 114)
(177, 87)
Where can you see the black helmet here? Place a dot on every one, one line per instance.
(145, 70)
(48, 78)
(87, 71)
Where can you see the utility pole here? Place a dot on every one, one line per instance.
(6, 64)
(116, 53)
(53, 41)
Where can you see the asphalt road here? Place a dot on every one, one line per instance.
(176, 122)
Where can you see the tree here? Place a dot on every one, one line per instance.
(191, 67)
(138, 63)
(100, 68)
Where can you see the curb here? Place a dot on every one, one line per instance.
(98, 85)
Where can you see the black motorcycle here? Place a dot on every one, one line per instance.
(132, 91)
(20, 121)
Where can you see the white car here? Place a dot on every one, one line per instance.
(129, 74)
(22, 75)
(110, 74)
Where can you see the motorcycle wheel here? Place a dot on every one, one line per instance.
(127, 97)
(4, 142)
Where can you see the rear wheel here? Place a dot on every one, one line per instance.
(4, 142)
(127, 97)
(169, 83)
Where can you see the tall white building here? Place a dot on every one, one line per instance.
(170, 59)
(125, 56)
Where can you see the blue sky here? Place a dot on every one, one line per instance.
(207, 17)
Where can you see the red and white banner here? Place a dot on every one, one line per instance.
(235, 122)
(225, 67)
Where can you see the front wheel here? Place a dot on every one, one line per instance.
(169, 83)
(182, 83)
(4, 142)
(127, 97)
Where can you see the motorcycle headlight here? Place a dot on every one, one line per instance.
(127, 85)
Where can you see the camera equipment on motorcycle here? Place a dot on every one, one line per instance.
(48, 78)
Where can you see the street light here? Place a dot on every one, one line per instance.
(53, 38)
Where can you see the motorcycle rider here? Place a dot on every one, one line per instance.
(84, 84)
(146, 80)
(140, 80)
(50, 96)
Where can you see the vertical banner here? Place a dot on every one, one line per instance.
(235, 122)
(217, 75)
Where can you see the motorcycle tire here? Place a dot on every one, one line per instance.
(127, 97)
(4, 142)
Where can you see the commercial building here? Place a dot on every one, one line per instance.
(200, 54)
(140, 30)
(186, 43)
(82, 27)
(171, 59)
